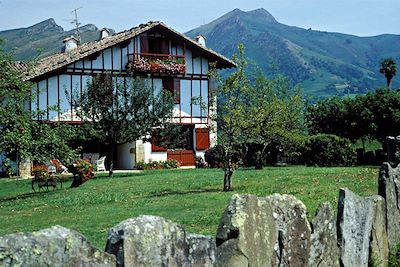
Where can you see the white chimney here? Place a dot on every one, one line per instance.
(201, 40)
(70, 43)
(104, 33)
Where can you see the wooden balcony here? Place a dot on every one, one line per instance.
(156, 63)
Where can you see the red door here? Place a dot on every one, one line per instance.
(185, 157)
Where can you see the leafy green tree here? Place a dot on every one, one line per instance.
(373, 116)
(388, 67)
(15, 119)
(276, 114)
(384, 107)
(260, 111)
(327, 116)
(21, 136)
(123, 111)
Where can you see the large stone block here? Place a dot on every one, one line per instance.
(269, 231)
(389, 189)
(246, 233)
(56, 246)
(378, 245)
(324, 251)
(201, 250)
(155, 241)
(361, 229)
(292, 231)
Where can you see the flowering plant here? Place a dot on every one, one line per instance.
(40, 172)
(84, 169)
(170, 65)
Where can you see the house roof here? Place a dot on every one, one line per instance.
(57, 61)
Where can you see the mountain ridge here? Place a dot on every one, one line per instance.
(42, 39)
(324, 63)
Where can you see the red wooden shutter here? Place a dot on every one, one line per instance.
(202, 138)
(144, 44)
(177, 91)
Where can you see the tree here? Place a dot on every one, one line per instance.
(23, 137)
(233, 124)
(259, 111)
(123, 110)
(384, 106)
(15, 119)
(276, 114)
(389, 69)
(372, 116)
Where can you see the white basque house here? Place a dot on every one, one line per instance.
(185, 64)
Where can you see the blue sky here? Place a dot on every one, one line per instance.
(359, 17)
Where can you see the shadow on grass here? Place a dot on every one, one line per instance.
(66, 185)
(28, 195)
(119, 175)
(169, 192)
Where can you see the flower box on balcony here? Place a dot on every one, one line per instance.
(169, 64)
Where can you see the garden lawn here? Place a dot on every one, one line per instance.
(192, 198)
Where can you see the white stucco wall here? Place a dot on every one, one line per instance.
(153, 156)
(126, 155)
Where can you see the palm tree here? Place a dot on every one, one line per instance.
(389, 69)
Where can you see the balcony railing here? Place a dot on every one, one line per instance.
(156, 63)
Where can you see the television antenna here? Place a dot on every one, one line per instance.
(76, 23)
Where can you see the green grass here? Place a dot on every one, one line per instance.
(192, 198)
(370, 145)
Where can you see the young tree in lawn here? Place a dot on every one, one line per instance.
(276, 114)
(232, 118)
(123, 110)
(389, 69)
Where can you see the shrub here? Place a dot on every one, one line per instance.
(170, 164)
(200, 162)
(214, 157)
(84, 169)
(394, 256)
(140, 165)
(157, 165)
(8, 168)
(329, 150)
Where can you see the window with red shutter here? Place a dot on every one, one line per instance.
(202, 138)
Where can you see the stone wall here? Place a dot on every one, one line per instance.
(253, 231)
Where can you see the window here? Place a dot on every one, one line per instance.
(174, 86)
(154, 45)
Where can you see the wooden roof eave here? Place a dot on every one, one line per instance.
(40, 71)
(222, 61)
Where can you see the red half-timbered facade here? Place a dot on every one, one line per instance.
(168, 60)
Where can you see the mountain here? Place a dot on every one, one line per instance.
(324, 63)
(42, 39)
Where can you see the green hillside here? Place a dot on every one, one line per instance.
(323, 63)
(42, 39)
